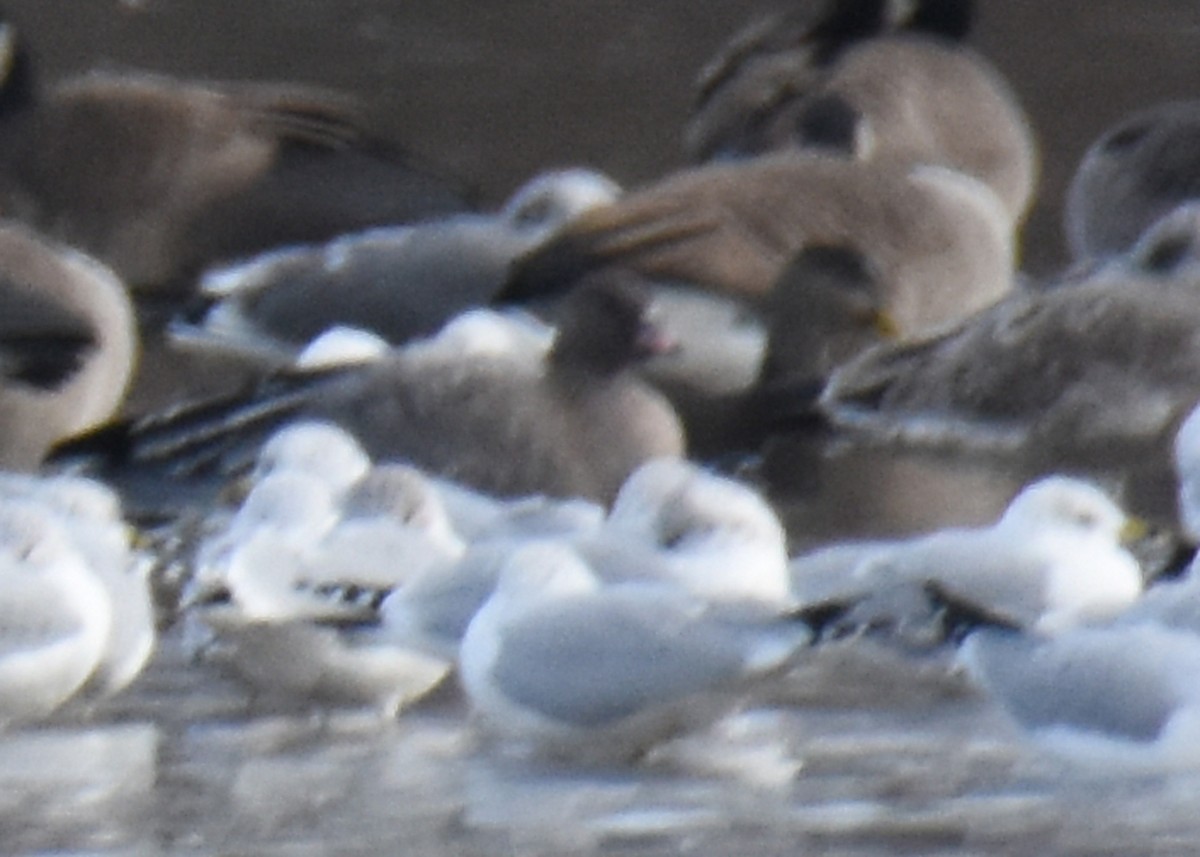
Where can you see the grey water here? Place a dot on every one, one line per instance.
(865, 759)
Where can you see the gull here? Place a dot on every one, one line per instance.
(673, 524)
(674, 520)
(559, 664)
(1054, 559)
(302, 623)
(55, 613)
(1098, 696)
(90, 513)
(398, 282)
(1116, 693)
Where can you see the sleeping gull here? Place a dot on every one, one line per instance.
(673, 523)
(55, 613)
(558, 663)
(91, 516)
(1053, 559)
(397, 282)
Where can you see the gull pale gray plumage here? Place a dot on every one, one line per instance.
(940, 240)
(675, 521)
(321, 449)
(297, 507)
(68, 345)
(91, 515)
(1187, 468)
(557, 663)
(55, 613)
(1125, 362)
(398, 282)
(1122, 695)
(875, 79)
(1054, 559)
(303, 620)
(1137, 171)
(401, 494)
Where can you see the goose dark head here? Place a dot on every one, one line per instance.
(827, 306)
(605, 326)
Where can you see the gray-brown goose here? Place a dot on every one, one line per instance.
(940, 240)
(68, 345)
(497, 410)
(155, 176)
(875, 78)
(1095, 373)
(1137, 171)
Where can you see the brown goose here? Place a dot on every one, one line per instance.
(940, 241)
(484, 402)
(156, 176)
(874, 78)
(68, 344)
(827, 308)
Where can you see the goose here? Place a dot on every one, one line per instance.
(1096, 372)
(939, 239)
(155, 176)
(868, 79)
(68, 345)
(1133, 174)
(506, 415)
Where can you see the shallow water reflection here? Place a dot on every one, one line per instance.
(939, 773)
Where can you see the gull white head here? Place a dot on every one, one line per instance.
(320, 449)
(1082, 533)
(716, 536)
(552, 199)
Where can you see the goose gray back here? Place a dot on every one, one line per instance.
(1137, 171)
(1095, 373)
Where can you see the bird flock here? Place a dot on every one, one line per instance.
(414, 449)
